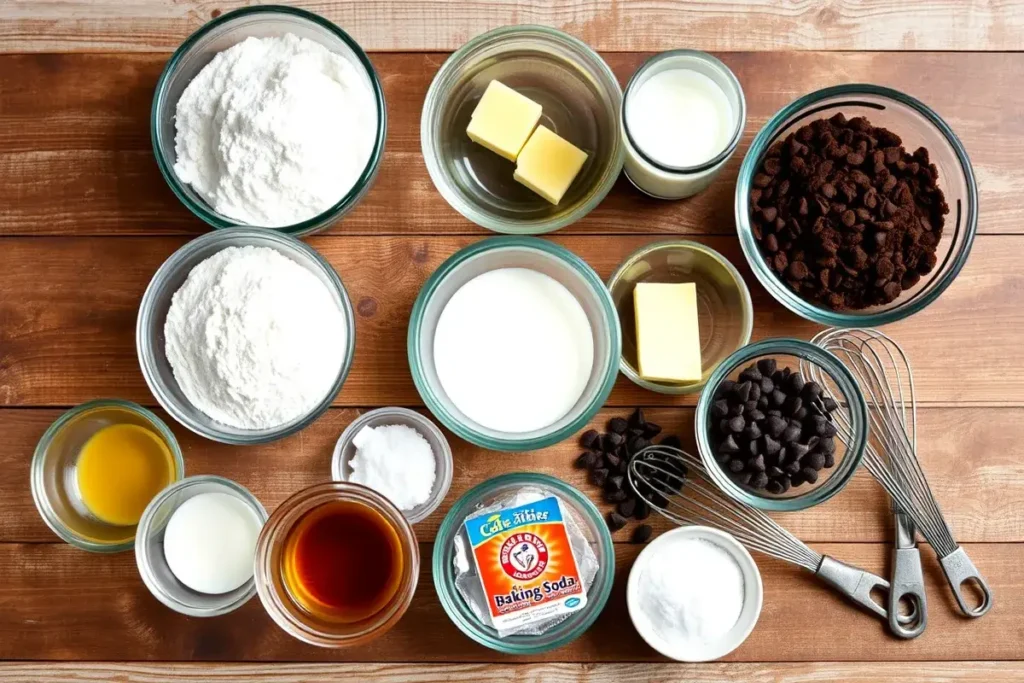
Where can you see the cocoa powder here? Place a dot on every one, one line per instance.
(844, 215)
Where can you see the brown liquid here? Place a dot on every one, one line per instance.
(343, 562)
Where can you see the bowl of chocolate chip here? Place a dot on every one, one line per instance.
(856, 206)
(769, 436)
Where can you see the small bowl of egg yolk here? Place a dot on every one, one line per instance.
(97, 467)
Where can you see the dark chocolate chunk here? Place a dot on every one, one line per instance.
(767, 366)
(617, 425)
(585, 461)
(591, 439)
(615, 521)
(599, 476)
(627, 507)
(642, 533)
(719, 408)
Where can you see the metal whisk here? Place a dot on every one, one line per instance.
(883, 372)
(675, 483)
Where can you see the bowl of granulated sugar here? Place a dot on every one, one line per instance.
(401, 455)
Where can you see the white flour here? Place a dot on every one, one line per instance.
(274, 131)
(255, 340)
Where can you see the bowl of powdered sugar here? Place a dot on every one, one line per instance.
(245, 335)
(269, 117)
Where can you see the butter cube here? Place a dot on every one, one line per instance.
(503, 120)
(667, 335)
(548, 164)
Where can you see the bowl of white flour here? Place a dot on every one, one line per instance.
(269, 117)
(245, 335)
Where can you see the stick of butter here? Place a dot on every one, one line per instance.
(667, 335)
(548, 164)
(503, 120)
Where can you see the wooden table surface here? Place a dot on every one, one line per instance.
(85, 220)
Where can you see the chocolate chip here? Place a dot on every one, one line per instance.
(729, 445)
(612, 461)
(615, 496)
(617, 425)
(590, 439)
(815, 461)
(809, 474)
(737, 424)
(774, 486)
(742, 391)
(791, 434)
(637, 419)
(615, 521)
(651, 430)
(627, 507)
(642, 533)
(759, 480)
(585, 461)
(599, 476)
(643, 510)
(719, 408)
(672, 442)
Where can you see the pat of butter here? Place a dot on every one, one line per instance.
(503, 120)
(667, 335)
(548, 164)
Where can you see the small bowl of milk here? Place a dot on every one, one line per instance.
(514, 343)
(683, 115)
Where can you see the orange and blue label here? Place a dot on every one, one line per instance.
(526, 565)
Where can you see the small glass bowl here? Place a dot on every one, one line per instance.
(54, 483)
(918, 126)
(697, 651)
(841, 386)
(581, 99)
(514, 252)
(673, 182)
(344, 451)
(149, 549)
(724, 312)
(486, 494)
(228, 30)
(150, 341)
(276, 596)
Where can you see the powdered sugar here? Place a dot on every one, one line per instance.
(255, 340)
(274, 131)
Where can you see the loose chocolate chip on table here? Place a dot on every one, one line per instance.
(599, 476)
(627, 507)
(637, 419)
(615, 496)
(642, 533)
(615, 521)
(617, 425)
(672, 442)
(651, 430)
(585, 460)
(643, 510)
(612, 440)
(590, 439)
(612, 461)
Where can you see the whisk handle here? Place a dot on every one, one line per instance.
(959, 570)
(854, 583)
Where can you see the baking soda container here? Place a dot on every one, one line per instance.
(683, 114)
(528, 564)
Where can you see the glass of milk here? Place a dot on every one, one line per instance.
(683, 113)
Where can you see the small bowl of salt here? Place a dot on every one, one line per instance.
(400, 454)
(694, 594)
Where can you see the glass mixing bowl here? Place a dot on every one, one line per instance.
(841, 386)
(919, 126)
(54, 484)
(581, 99)
(724, 312)
(515, 252)
(276, 596)
(150, 341)
(218, 35)
(575, 504)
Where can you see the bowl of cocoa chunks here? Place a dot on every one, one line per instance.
(856, 206)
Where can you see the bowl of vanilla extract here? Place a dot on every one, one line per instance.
(336, 565)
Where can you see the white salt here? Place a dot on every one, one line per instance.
(397, 462)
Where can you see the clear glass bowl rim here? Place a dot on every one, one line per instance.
(147, 519)
(741, 119)
(416, 320)
(441, 485)
(839, 477)
(435, 98)
(39, 456)
(451, 601)
(312, 497)
(748, 308)
(751, 250)
(310, 225)
(172, 263)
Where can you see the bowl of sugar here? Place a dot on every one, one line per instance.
(514, 343)
(398, 453)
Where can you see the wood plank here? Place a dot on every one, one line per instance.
(159, 25)
(67, 317)
(76, 158)
(171, 672)
(51, 612)
(973, 469)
